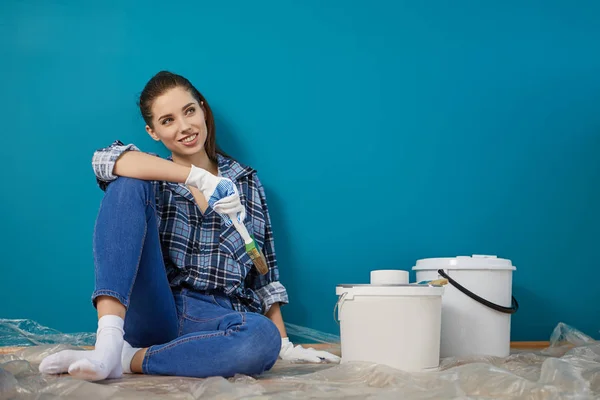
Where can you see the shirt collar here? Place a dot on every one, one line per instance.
(231, 169)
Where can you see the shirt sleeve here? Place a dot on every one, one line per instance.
(103, 162)
(267, 286)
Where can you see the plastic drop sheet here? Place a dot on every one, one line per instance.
(568, 369)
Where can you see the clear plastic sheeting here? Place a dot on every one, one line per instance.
(25, 332)
(568, 369)
(301, 334)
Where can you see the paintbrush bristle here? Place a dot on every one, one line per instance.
(259, 260)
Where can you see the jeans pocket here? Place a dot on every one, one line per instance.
(223, 301)
(203, 312)
(200, 307)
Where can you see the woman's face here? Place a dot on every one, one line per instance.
(178, 122)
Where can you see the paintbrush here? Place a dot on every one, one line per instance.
(258, 258)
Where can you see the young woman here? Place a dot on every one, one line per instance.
(176, 292)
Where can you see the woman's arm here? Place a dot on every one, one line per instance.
(274, 314)
(135, 164)
(119, 159)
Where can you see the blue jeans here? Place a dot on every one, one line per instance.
(187, 333)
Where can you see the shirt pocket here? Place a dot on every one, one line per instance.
(232, 246)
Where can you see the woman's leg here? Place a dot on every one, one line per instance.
(130, 275)
(129, 263)
(215, 341)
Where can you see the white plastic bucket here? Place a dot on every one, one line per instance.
(477, 304)
(394, 325)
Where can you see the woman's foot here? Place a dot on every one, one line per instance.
(101, 363)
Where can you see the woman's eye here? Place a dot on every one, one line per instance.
(190, 110)
(166, 121)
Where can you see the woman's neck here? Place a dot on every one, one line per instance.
(199, 159)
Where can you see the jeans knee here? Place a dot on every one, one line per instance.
(263, 342)
(123, 183)
(126, 189)
(273, 346)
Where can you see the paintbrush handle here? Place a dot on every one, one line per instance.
(241, 228)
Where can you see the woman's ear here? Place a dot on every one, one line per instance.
(152, 133)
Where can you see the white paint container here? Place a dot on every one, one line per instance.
(477, 304)
(389, 277)
(394, 325)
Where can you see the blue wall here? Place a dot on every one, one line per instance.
(384, 132)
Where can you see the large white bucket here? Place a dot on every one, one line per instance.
(477, 304)
(395, 325)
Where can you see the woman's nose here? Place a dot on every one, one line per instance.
(184, 125)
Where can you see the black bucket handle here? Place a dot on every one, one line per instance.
(506, 310)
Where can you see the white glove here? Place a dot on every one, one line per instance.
(220, 193)
(299, 353)
(230, 206)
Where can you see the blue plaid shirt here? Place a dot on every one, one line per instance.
(199, 250)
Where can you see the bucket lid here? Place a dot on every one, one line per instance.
(411, 289)
(464, 262)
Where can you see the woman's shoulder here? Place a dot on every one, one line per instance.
(233, 169)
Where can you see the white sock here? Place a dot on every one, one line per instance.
(98, 364)
(127, 356)
(59, 363)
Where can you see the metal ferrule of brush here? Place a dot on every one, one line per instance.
(258, 258)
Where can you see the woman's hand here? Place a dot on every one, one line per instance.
(299, 353)
(230, 205)
(220, 193)
(214, 188)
